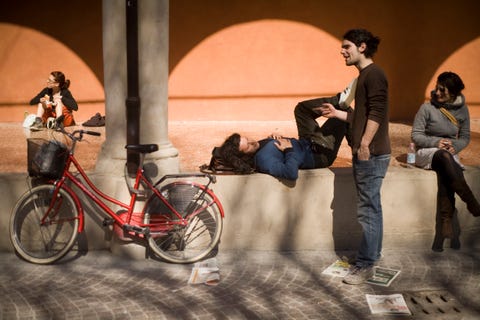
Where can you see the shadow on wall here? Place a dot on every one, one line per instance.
(234, 74)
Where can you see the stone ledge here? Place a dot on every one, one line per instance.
(318, 212)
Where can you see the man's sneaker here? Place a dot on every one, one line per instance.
(358, 275)
(347, 95)
(51, 123)
(380, 259)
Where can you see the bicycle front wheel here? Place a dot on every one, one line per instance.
(43, 228)
(179, 243)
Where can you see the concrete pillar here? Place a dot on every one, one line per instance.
(153, 90)
(153, 77)
(153, 68)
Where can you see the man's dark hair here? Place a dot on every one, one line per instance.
(231, 154)
(359, 36)
(452, 82)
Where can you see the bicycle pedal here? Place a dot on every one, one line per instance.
(136, 229)
(107, 222)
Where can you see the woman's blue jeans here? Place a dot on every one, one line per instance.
(368, 177)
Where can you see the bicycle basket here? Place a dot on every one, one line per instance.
(46, 158)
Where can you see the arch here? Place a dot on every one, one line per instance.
(257, 70)
(27, 57)
(465, 63)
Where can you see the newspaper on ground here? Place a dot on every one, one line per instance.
(383, 276)
(206, 272)
(338, 269)
(387, 304)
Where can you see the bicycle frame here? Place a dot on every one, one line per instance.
(97, 195)
(181, 220)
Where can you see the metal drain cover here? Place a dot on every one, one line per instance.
(436, 305)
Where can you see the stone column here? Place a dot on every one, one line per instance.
(153, 74)
(153, 86)
(112, 157)
(153, 77)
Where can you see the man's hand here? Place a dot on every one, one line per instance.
(327, 110)
(363, 153)
(283, 143)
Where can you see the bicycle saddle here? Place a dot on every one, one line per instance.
(142, 148)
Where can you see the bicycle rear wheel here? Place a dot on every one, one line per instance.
(48, 241)
(178, 243)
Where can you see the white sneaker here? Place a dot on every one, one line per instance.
(358, 275)
(347, 95)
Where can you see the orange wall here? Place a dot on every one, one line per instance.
(419, 38)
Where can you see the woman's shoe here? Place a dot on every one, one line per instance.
(437, 245)
(455, 244)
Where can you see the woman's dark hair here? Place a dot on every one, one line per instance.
(59, 77)
(452, 82)
(233, 157)
(359, 36)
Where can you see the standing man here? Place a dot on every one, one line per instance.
(370, 145)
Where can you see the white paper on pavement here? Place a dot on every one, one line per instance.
(338, 269)
(387, 304)
(206, 272)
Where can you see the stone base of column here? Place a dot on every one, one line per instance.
(164, 161)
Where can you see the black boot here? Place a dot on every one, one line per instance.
(445, 209)
(437, 245)
(465, 193)
(455, 240)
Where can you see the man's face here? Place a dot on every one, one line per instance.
(248, 145)
(351, 53)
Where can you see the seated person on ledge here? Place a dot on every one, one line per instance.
(54, 100)
(282, 157)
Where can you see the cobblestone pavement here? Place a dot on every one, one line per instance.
(254, 285)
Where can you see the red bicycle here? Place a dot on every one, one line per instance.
(181, 220)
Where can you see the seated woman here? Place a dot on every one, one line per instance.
(441, 130)
(282, 157)
(54, 100)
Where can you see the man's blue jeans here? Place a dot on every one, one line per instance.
(368, 177)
